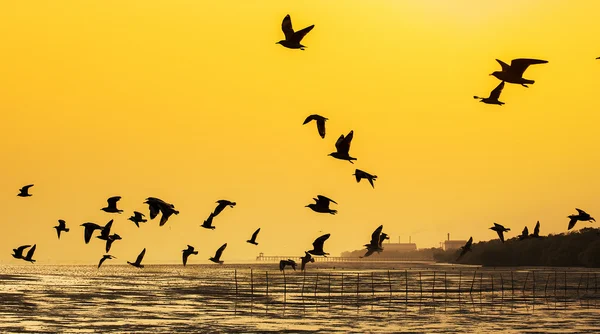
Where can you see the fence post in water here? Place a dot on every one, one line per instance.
(472, 282)
(525, 283)
(329, 290)
(372, 292)
(502, 285)
(579, 284)
(251, 291)
(492, 278)
(595, 284)
(405, 290)
(342, 293)
(433, 288)
(357, 284)
(445, 291)
(420, 285)
(267, 277)
(236, 290)
(533, 289)
(302, 291)
(316, 286)
(284, 289)
(390, 285)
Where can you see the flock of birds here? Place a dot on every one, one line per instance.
(512, 73)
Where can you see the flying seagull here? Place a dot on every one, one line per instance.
(89, 230)
(536, 231)
(494, 96)
(318, 245)
(110, 240)
(157, 205)
(381, 239)
(138, 261)
(187, 252)
(525, 234)
(104, 258)
(342, 146)
(105, 233)
(253, 238)
(306, 259)
(24, 192)
(217, 257)
(466, 248)
(359, 174)
(288, 262)
(29, 255)
(293, 38)
(582, 216)
(513, 73)
(375, 244)
(322, 205)
(320, 120)
(223, 203)
(18, 252)
(61, 227)
(500, 230)
(137, 218)
(112, 205)
(208, 222)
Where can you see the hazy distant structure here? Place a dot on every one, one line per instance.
(293, 38)
(513, 73)
(494, 96)
(452, 244)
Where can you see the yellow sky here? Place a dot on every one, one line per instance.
(192, 101)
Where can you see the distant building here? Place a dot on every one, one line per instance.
(453, 244)
(399, 247)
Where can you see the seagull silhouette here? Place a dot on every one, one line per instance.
(381, 239)
(306, 259)
(359, 174)
(513, 73)
(110, 240)
(217, 257)
(318, 245)
(581, 216)
(466, 248)
(288, 262)
(89, 230)
(375, 244)
(137, 218)
(500, 230)
(29, 255)
(322, 205)
(320, 120)
(494, 96)
(112, 205)
(187, 252)
(104, 258)
(253, 238)
(342, 146)
(293, 38)
(157, 205)
(61, 227)
(536, 231)
(223, 203)
(138, 261)
(24, 192)
(208, 222)
(105, 233)
(18, 252)
(525, 234)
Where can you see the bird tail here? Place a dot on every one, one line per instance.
(476, 97)
(176, 212)
(195, 253)
(66, 230)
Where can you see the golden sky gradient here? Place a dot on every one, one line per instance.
(192, 101)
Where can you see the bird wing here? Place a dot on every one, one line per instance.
(299, 35)
(382, 238)
(25, 188)
(581, 212)
(321, 126)
(87, 233)
(141, 256)
(505, 66)
(469, 243)
(375, 236)
(518, 66)
(101, 261)
(286, 27)
(498, 225)
(112, 202)
(324, 200)
(165, 216)
(22, 248)
(61, 224)
(185, 257)
(369, 252)
(106, 229)
(154, 210)
(58, 232)
(495, 94)
(318, 244)
(281, 264)
(339, 143)
(371, 182)
(255, 234)
(501, 235)
(220, 251)
(572, 223)
(536, 230)
(219, 208)
(312, 117)
(344, 146)
(30, 252)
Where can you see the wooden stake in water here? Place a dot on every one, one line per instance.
(546, 288)
(525, 283)
(329, 290)
(405, 290)
(433, 289)
(284, 290)
(390, 285)
(357, 285)
(445, 291)
(236, 291)
(251, 292)
(316, 287)
(472, 282)
(372, 292)
(342, 293)
(302, 291)
(512, 290)
(267, 283)
(533, 288)
(492, 279)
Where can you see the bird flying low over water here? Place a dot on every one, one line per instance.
(288, 262)
(513, 73)
(110, 240)
(359, 174)
(24, 191)
(104, 234)
(581, 216)
(217, 257)
(500, 230)
(322, 205)
(466, 248)
(293, 38)
(89, 230)
(18, 252)
(112, 205)
(306, 259)
(157, 205)
(320, 120)
(187, 252)
(342, 146)
(208, 222)
(138, 261)
(525, 234)
(494, 96)
(536, 231)
(375, 244)
(223, 203)
(318, 245)
(137, 218)
(61, 227)
(104, 258)
(29, 256)
(253, 238)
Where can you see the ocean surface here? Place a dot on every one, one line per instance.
(328, 297)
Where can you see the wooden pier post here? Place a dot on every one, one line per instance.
(267, 283)
(472, 282)
(502, 286)
(372, 291)
(342, 293)
(525, 283)
(236, 291)
(315, 292)
(420, 285)
(284, 290)
(433, 288)
(302, 291)
(390, 286)
(357, 285)
(251, 292)
(329, 290)
(406, 290)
